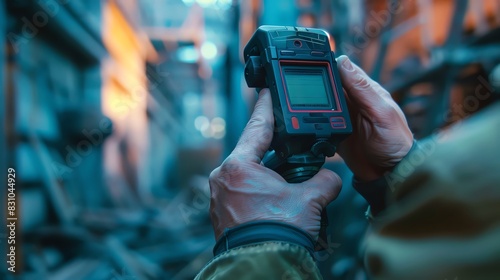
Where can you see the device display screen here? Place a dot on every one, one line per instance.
(307, 87)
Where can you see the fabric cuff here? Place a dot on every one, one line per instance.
(263, 231)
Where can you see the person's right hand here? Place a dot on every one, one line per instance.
(243, 190)
(381, 136)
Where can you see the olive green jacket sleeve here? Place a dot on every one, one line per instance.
(443, 218)
(270, 260)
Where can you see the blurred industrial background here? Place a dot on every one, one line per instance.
(114, 113)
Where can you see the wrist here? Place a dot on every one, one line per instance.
(372, 172)
(375, 190)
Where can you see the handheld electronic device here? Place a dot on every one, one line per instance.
(310, 109)
(309, 106)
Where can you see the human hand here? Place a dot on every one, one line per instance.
(243, 190)
(381, 136)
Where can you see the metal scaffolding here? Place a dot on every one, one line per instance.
(447, 61)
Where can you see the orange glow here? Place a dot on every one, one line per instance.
(433, 31)
(441, 15)
(481, 15)
(124, 73)
(331, 40)
(250, 11)
(124, 90)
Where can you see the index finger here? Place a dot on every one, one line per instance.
(258, 133)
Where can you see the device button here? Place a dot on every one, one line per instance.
(337, 122)
(315, 120)
(287, 53)
(316, 53)
(295, 123)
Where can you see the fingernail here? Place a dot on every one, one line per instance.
(347, 65)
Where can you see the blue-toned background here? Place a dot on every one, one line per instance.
(114, 113)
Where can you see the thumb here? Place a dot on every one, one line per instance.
(258, 134)
(360, 88)
(324, 186)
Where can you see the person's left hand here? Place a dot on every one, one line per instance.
(381, 137)
(243, 190)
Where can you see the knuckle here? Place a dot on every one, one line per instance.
(394, 112)
(332, 181)
(230, 164)
(361, 82)
(336, 178)
(214, 181)
(332, 178)
(230, 169)
(214, 175)
(382, 92)
(335, 181)
(385, 108)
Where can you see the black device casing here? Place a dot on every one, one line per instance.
(269, 50)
